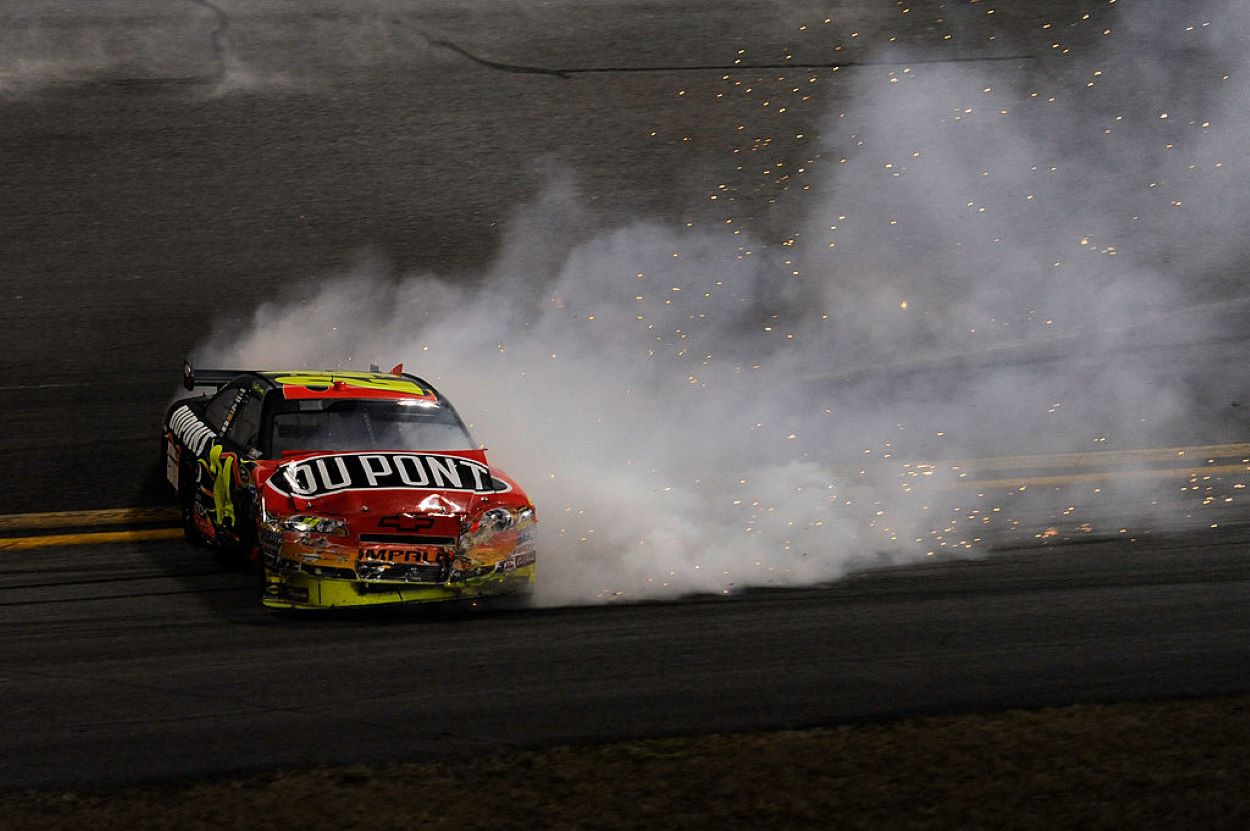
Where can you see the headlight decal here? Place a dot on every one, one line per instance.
(312, 524)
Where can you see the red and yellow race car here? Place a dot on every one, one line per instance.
(351, 488)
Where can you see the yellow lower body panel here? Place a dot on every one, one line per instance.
(300, 590)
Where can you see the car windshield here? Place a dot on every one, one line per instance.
(367, 425)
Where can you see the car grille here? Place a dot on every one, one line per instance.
(401, 572)
(281, 565)
(407, 539)
(328, 571)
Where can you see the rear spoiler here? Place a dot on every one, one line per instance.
(218, 378)
(192, 378)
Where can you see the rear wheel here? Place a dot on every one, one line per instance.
(186, 502)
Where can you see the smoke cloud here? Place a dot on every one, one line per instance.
(1031, 256)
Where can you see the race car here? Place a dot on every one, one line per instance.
(350, 488)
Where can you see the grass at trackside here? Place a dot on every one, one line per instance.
(1142, 765)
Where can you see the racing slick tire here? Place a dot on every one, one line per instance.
(186, 504)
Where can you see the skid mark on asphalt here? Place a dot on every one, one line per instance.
(129, 579)
(132, 596)
(100, 517)
(569, 72)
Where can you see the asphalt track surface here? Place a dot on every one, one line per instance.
(149, 662)
(165, 168)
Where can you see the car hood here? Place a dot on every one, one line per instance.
(425, 484)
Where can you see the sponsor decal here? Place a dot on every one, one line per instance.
(192, 432)
(234, 408)
(301, 385)
(270, 538)
(519, 559)
(173, 458)
(339, 473)
(281, 591)
(402, 555)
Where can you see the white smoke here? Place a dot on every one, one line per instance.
(990, 257)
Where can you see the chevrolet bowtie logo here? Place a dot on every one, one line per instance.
(406, 523)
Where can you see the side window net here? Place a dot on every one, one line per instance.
(245, 428)
(219, 407)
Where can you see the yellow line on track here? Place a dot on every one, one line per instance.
(1179, 455)
(1118, 462)
(71, 519)
(52, 540)
(1186, 473)
(1123, 459)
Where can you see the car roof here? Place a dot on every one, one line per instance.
(305, 384)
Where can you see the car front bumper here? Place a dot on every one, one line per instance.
(302, 590)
